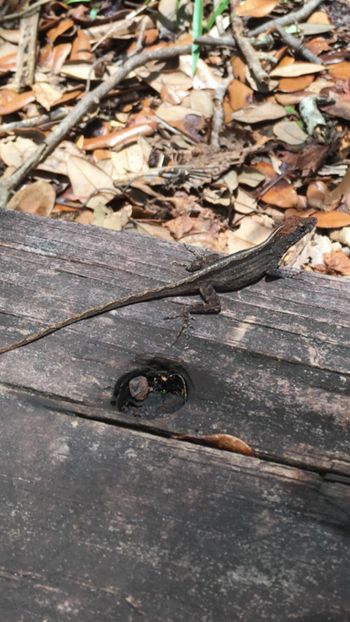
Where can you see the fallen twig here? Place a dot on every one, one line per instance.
(26, 53)
(82, 107)
(217, 41)
(40, 121)
(28, 10)
(249, 53)
(218, 116)
(290, 18)
(297, 45)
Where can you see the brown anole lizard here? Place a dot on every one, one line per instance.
(223, 274)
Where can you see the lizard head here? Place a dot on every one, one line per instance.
(294, 228)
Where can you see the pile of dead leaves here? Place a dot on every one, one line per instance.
(260, 132)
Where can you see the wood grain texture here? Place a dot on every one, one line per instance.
(100, 523)
(272, 369)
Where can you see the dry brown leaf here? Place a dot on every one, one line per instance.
(11, 101)
(318, 17)
(70, 96)
(256, 8)
(15, 151)
(85, 217)
(155, 230)
(250, 177)
(36, 198)
(244, 203)
(317, 45)
(81, 48)
(291, 85)
(332, 220)
(180, 226)
(295, 70)
(257, 114)
(289, 99)
(173, 86)
(337, 262)
(47, 94)
(84, 71)
(341, 107)
(340, 71)
(8, 62)
(204, 78)
(53, 58)
(62, 27)
(202, 101)
(282, 195)
(239, 95)
(132, 159)
(239, 68)
(105, 217)
(252, 231)
(88, 180)
(290, 132)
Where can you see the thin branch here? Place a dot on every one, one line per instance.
(26, 53)
(226, 41)
(39, 121)
(291, 18)
(297, 45)
(28, 10)
(248, 52)
(218, 116)
(82, 107)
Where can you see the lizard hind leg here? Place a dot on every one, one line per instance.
(211, 301)
(211, 304)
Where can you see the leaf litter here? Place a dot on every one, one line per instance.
(215, 159)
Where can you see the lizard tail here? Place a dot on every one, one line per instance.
(156, 293)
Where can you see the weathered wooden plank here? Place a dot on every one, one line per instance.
(101, 523)
(273, 368)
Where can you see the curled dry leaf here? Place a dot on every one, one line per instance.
(119, 137)
(63, 26)
(316, 194)
(81, 48)
(36, 198)
(53, 58)
(226, 442)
